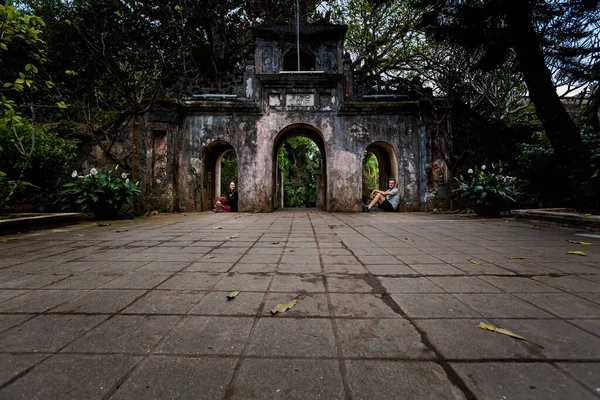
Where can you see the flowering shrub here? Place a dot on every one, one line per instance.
(487, 186)
(102, 194)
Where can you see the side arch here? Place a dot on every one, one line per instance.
(387, 161)
(212, 156)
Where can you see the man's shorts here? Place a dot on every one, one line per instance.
(387, 206)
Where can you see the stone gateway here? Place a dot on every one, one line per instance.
(255, 111)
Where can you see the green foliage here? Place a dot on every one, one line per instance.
(487, 186)
(49, 162)
(102, 194)
(229, 171)
(370, 174)
(299, 159)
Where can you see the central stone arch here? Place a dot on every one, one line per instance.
(316, 136)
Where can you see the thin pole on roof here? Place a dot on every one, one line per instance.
(298, 31)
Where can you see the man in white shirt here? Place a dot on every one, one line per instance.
(388, 201)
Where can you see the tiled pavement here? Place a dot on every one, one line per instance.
(388, 307)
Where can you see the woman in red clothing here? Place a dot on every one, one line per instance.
(228, 203)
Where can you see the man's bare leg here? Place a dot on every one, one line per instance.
(378, 199)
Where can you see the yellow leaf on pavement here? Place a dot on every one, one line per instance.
(473, 261)
(515, 258)
(490, 327)
(283, 307)
(576, 253)
(231, 237)
(209, 257)
(409, 239)
(578, 242)
(232, 295)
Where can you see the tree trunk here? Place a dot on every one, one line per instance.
(560, 128)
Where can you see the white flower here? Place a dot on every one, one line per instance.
(127, 180)
(470, 171)
(137, 183)
(74, 174)
(93, 171)
(483, 167)
(116, 167)
(123, 175)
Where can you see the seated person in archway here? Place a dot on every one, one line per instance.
(388, 201)
(228, 203)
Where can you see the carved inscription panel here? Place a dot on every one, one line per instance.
(300, 100)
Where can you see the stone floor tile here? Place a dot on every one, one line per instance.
(84, 280)
(434, 269)
(460, 339)
(300, 337)
(399, 380)
(563, 304)
(244, 282)
(209, 267)
(482, 269)
(419, 259)
(560, 339)
(253, 268)
(165, 302)
(344, 269)
(125, 334)
(32, 281)
(6, 294)
(300, 259)
(518, 284)
(216, 303)
(11, 365)
(207, 335)
(166, 377)
(409, 285)
(432, 305)
(348, 285)
(381, 338)
(379, 260)
(360, 306)
(339, 260)
(257, 258)
(463, 284)
(573, 284)
(525, 381)
(587, 373)
(163, 266)
(72, 377)
(501, 305)
(297, 283)
(38, 301)
(190, 281)
(47, 333)
(590, 325)
(7, 321)
(100, 301)
(291, 379)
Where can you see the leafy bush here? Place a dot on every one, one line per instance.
(102, 194)
(487, 186)
(49, 163)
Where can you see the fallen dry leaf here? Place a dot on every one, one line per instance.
(409, 239)
(515, 258)
(232, 295)
(577, 253)
(283, 307)
(578, 242)
(473, 261)
(121, 230)
(274, 242)
(209, 257)
(231, 237)
(490, 327)
(217, 227)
